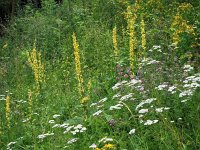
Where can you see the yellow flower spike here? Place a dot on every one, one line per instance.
(185, 7)
(8, 110)
(131, 16)
(132, 40)
(89, 85)
(116, 51)
(108, 146)
(78, 65)
(34, 59)
(179, 24)
(85, 99)
(128, 12)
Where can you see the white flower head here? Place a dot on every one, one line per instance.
(148, 101)
(103, 100)
(42, 136)
(132, 131)
(64, 125)
(172, 89)
(83, 129)
(118, 106)
(93, 104)
(56, 126)
(126, 97)
(79, 126)
(51, 121)
(150, 122)
(11, 143)
(74, 132)
(116, 96)
(93, 146)
(188, 68)
(142, 111)
(72, 141)
(97, 113)
(161, 86)
(56, 116)
(68, 129)
(186, 93)
(105, 139)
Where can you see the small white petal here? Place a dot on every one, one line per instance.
(132, 131)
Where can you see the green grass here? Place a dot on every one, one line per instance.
(161, 75)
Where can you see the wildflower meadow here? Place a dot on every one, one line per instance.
(100, 75)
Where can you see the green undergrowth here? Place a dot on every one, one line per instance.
(154, 105)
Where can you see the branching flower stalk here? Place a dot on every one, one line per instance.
(180, 25)
(8, 110)
(34, 59)
(78, 65)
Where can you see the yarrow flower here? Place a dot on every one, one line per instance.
(10, 144)
(162, 86)
(72, 141)
(125, 97)
(68, 129)
(93, 146)
(103, 100)
(118, 106)
(97, 113)
(56, 126)
(132, 131)
(188, 68)
(172, 89)
(148, 101)
(162, 109)
(156, 48)
(150, 122)
(42, 136)
(186, 93)
(93, 104)
(116, 96)
(64, 125)
(105, 139)
(78, 128)
(142, 111)
(118, 85)
(56, 116)
(51, 121)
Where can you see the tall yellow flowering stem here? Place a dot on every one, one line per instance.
(8, 110)
(143, 37)
(34, 59)
(179, 24)
(132, 35)
(116, 51)
(78, 65)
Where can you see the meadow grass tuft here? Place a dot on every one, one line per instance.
(102, 75)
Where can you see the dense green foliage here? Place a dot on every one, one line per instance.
(159, 97)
